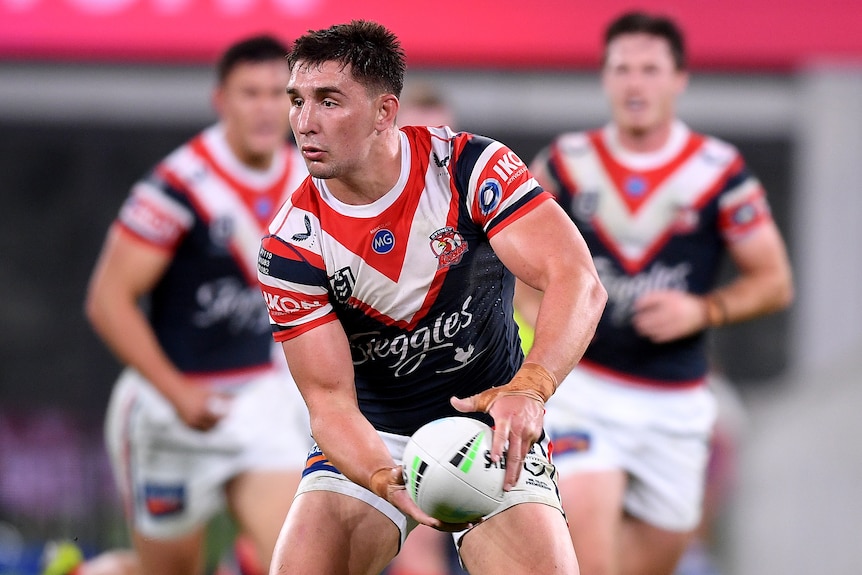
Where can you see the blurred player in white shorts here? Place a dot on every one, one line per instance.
(660, 207)
(205, 416)
(174, 477)
(661, 439)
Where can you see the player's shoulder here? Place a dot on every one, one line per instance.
(183, 165)
(715, 150)
(298, 214)
(573, 143)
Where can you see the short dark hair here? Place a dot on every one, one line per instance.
(374, 54)
(654, 25)
(260, 48)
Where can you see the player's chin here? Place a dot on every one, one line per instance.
(265, 144)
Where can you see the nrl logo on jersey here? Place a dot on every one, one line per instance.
(342, 283)
(448, 246)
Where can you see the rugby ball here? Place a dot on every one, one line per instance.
(448, 470)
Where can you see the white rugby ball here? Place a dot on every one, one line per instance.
(448, 470)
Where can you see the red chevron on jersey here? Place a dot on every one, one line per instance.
(390, 259)
(261, 201)
(391, 243)
(412, 277)
(235, 201)
(638, 186)
(635, 210)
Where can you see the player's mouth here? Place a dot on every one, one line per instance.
(635, 104)
(312, 153)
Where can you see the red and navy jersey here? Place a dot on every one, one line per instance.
(209, 211)
(424, 300)
(652, 222)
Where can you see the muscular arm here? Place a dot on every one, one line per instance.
(765, 282)
(127, 270)
(544, 250)
(322, 366)
(763, 285)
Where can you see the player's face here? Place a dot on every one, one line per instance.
(255, 109)
(641, 83)
(333, 119)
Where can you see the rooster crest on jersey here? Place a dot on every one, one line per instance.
(448, 246)
(448, 470)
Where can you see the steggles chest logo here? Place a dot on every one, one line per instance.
(448, 246)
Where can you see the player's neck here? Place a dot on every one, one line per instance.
(645, 141)
(376, 177)
(249, 158)
(253, 160)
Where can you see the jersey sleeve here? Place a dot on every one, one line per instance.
(293, 278)
(153, 214)
(498, 185)
(742, 205)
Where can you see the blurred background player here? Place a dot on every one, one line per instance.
(702, 553)
(205, 414)
(659, 206)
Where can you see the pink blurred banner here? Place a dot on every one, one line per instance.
(749, 34)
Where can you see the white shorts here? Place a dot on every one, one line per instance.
(536, 484)
(172, 477)
(659, 437)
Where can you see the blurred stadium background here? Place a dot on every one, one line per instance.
(92, 92)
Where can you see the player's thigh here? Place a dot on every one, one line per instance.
(328, 532)
(650, 550)
(178, 556)
(425, 551)
(527, 539)
(259, 501)
(593, 501)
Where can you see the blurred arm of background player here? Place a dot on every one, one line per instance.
(127, 270)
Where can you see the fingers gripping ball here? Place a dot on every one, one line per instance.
(448, 470)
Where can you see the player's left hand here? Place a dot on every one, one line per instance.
(663, 316)
(389, 484)
(518, 423)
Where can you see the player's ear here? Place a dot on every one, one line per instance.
(387, 110)
(681, 81)
(217, 100)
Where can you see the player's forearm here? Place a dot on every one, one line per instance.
(351, 444)
(748, 297)
(567, 319)
(322, 367)
(124, 328)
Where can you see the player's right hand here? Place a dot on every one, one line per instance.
(201, 408)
